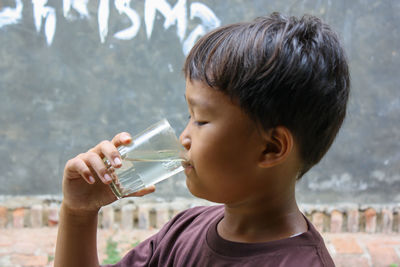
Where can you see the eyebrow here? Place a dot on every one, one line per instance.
(196, 102)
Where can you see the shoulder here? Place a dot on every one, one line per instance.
(200, 215)
(319, 253)
(306, 249)
(181, 236)
(200, 211)
(191, 224)
(185, 235)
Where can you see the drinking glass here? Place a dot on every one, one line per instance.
(153, 156)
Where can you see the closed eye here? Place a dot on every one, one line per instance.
(198, 123)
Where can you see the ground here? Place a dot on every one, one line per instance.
(35, 247)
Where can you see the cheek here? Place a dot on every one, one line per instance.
(222, 155)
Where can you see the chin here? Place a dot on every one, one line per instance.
(197, 192)
(191, 188)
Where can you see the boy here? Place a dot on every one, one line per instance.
(266, 100)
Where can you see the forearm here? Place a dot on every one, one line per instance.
(76, 239)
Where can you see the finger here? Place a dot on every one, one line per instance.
(79, 166)
(123, 138)
(109, 150)
(85, 172)
(97, 164)
(118, 140)
(144, 191)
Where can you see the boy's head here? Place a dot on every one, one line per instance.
(282, 71)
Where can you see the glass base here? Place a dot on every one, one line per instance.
(130, 188)
(115, 190)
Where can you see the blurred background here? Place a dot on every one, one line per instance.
(75, 72)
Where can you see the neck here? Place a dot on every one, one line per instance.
(262, 219)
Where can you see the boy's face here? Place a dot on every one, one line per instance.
(223, 147)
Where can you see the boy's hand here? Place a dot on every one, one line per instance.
(86, 179)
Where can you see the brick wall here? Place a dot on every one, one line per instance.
(127, 214)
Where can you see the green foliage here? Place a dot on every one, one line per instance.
(394, 265)
(111, 252)
(135, 244)
(50, 258)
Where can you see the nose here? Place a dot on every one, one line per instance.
(184, 138)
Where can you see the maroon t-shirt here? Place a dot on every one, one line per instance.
(191, 239)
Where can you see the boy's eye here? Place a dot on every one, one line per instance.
(198, 123)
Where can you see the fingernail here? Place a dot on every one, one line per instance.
(117, 161)
(126, 138)
(107, 177)
(91, 179)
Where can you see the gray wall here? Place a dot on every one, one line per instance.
(67, 83)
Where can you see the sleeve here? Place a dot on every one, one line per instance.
(144, 253)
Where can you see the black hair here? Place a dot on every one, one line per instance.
(283, 71)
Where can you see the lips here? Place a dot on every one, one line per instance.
(186, 163)
(187, 166)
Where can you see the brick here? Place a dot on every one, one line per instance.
(318, 221)
(336, 221)
(107, 221)
(370, 220)
(353, 220)
(36, 216)
(162, 215)
(127, 216)
(28, 246)
(382, 255)
(29, 260)
(144, 217)
(5, 260)
(3, 216)
(18, 217)
(350, 260)
(387, 221)
(346, 245)
(5, 239)
(53, 215)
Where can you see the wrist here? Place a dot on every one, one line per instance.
(78, 216)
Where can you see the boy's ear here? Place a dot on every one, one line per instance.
(278, 144)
